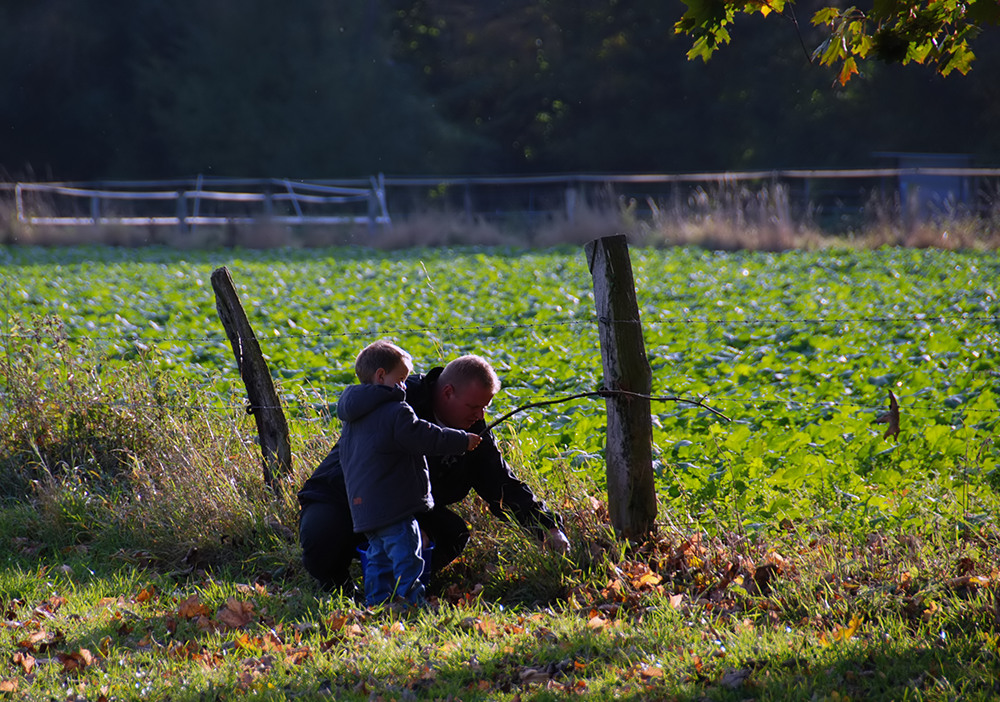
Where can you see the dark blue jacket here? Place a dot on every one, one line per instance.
(382, 449)
(452, 477)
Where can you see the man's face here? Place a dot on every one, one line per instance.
(460, 408)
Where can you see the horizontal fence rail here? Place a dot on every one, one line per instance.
(827, 196)
(200, 202)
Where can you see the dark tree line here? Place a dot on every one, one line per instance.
(335, 88)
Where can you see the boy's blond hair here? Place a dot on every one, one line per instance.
(380, 354)
(470, 368)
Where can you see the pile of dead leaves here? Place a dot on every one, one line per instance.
(687, 571)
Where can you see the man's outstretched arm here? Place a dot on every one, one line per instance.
(507, 496)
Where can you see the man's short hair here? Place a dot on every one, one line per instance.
(380, 354)
(470, 368)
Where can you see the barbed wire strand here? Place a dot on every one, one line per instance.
(303, 333)
(321, 408)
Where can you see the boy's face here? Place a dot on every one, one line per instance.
(396, 376)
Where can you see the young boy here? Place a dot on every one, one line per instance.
(382, 449)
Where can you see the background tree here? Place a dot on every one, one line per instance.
(605, 85)
(340, 88)
(67, 101)
(255, 89)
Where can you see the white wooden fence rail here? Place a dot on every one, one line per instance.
(279, 201)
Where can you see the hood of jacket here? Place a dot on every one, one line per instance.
(360, 400)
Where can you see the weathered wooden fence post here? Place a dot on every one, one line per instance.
(264, 403)
(631, 488)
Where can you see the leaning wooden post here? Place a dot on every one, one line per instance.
(629, 452)
(264, 403)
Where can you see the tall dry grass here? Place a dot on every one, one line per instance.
(729, 219)
(102, 448)
(104, 452)
(889, 221)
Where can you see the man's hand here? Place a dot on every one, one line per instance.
(556, 542)
(474, 440)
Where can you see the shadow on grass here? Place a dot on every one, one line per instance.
(206, 637)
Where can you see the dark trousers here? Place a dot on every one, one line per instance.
(329, 543)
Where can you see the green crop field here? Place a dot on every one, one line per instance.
(799, 349)
(803, 550)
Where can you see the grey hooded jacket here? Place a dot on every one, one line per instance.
(382, 450)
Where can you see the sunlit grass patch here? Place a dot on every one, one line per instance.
(127, 633)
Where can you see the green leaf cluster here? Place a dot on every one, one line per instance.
(937, 32)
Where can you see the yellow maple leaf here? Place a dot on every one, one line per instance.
(840, 634)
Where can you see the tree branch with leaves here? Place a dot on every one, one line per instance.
(931, 32)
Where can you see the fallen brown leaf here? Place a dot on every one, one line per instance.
(651, 672)
(336, 622)
(763, 576)
(296, 655)
(26, 661)
(40, 640)
(394, 628)
(54, 603)
(236, 614)
(966, 581)
(192, 608)
(486, 628)
(75, 662)
(597, 623)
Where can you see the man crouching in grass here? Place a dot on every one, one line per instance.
(455, 396)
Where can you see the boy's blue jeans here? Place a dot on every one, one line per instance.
(394, 564)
